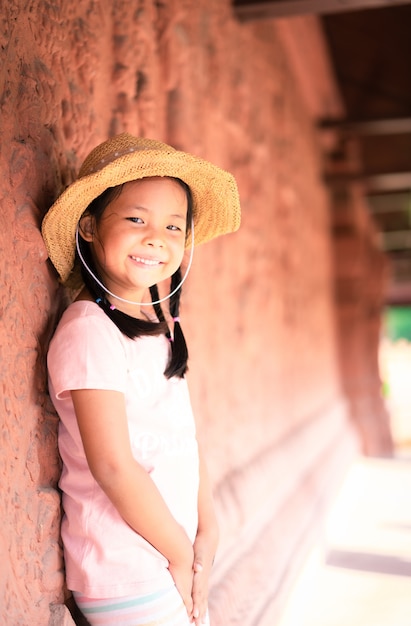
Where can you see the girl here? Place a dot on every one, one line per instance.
(138, 529)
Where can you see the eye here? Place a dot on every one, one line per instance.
(135, 220)
(173, 227)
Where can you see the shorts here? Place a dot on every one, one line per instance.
(160, 608)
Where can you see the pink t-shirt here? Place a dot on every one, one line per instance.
(104, 557)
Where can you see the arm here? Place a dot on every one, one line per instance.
(205, 544)
(101, 416)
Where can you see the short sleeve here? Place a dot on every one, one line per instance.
(87, 353)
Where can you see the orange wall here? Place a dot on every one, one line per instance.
(259, 308)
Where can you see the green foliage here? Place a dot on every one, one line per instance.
(397, 323)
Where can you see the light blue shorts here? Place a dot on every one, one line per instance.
(160, 608)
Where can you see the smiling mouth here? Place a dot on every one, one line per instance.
(150, 262)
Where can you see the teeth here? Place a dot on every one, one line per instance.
(145, 261)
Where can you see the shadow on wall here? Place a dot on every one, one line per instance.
(76, 614)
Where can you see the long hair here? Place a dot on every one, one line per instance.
(130, 326)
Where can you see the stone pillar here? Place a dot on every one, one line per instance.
(360, 280)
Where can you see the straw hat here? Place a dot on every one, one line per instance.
(216, 206)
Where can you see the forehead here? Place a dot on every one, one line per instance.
(156, 193)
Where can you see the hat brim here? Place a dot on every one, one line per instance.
(216, 204)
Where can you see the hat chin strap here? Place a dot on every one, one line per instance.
(190, 261)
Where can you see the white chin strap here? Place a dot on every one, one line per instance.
(113, 295)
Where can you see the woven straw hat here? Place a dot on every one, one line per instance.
(216, 206)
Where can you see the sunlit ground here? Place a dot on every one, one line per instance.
(361, 574)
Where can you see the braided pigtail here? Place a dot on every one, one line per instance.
(155, 297)
(177, 365)
(179, 351)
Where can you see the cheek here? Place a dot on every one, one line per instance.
(102, 255)
(108, 243)
(179, 253)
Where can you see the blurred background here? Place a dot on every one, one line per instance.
(395, 367)
(298, 325)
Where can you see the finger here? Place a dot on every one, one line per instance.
(197, 617)
(202, 616)
(189, 607)
(188, 603)
(197, 567)
(197, 620)
(199, 611)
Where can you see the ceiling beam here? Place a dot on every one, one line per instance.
(388, 182)
(389, 126)
(250, 11)
(393, 181)
(396, 240)
(390, 202)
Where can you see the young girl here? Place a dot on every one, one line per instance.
(138, 529)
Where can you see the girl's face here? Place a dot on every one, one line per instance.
(140, 239)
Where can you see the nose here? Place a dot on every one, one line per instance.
(153, 238)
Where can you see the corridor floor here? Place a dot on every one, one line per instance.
(361, 574)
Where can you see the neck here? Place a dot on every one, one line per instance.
(133, 310)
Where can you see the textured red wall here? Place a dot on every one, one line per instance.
(259, 308)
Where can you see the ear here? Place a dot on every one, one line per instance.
(86, 227)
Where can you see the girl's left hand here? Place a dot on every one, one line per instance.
(203, 560)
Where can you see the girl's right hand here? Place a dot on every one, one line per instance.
(183, 578)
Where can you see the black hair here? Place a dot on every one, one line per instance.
(130, 326)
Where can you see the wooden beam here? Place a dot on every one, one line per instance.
(250, 11)
(389, 126)
(388, 182)
(393, 181)
(397, 202)
(396, 240)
